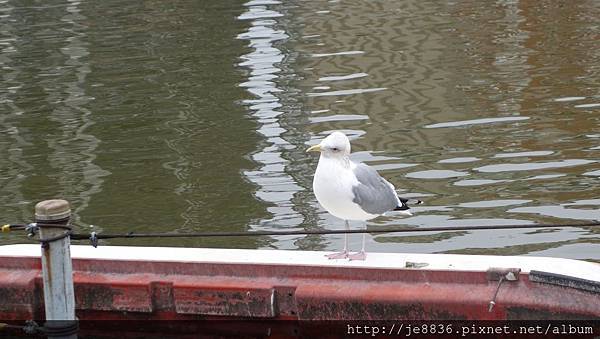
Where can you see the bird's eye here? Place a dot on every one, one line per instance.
(335, 149)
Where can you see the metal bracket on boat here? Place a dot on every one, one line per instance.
(31, 229)
(94, 239)
(501, 274)
(410, 264)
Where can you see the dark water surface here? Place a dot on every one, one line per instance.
(183, 116)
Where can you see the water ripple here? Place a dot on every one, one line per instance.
(593, 173)
(588, 105)
(339, 117)
(436, 174)
(458, 160)
(523, 154)
(477, 182)
(475, 122)
(493, 203)
(320, 55)
(559, 212)
(343, 77)
(532, 166)
(346, 92)
(566, 99)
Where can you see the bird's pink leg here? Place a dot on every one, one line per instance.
(362, 255)
(344, 253)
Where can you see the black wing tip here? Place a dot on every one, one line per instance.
(404, 204)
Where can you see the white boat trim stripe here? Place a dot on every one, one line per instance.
(458, 262)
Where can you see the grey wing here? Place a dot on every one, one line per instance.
(373, 193)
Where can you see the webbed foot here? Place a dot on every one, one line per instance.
(338, 255)
(362, 255)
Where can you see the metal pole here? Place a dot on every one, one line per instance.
(59, 296)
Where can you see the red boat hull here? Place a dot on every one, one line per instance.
(135, 289)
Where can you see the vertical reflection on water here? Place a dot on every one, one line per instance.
(492, 82)
(511, 59)
(275, 185)
(173, 137)
(46, 150)
(74, 151)
(12, 142)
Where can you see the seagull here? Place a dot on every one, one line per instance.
(352, 191)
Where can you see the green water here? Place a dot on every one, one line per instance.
(186, 116)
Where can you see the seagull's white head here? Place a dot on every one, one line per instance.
(336, 145)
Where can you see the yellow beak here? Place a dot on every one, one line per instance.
(314, 148)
